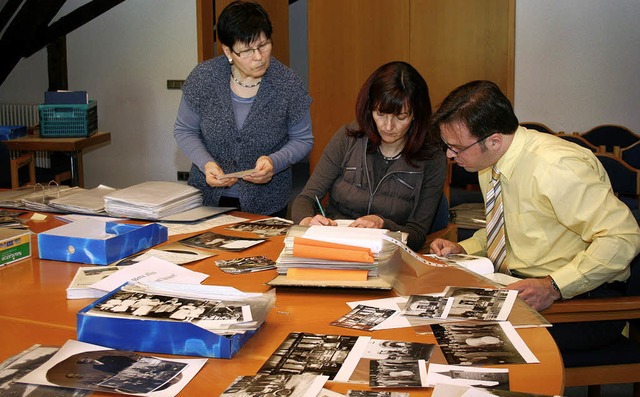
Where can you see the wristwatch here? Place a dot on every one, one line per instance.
(555, 286)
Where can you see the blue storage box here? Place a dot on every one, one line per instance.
(99, 243)
(156, 336)
(71, 120)
(12, 132)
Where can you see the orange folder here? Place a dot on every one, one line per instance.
(296, 273)
(308, 248)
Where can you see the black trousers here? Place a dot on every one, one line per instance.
(593, 334)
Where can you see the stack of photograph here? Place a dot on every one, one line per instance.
(332, 253)
(152, 200)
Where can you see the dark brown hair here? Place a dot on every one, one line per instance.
(394, 88)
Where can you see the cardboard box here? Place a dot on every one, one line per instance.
(15, 245)
(99, 243)
(8, 132)
(155, 336)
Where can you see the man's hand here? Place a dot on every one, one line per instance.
(536, 292)
(264, 171)
(442, 247)
(212, 172)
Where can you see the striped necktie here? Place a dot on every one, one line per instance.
(496, 247)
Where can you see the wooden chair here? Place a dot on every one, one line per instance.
(631, 155)
(617, 363)
(578, 140)
(23, 160)
(537, 126)
(625, 180)
(612, 138)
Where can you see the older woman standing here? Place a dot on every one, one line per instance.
(244, 110)
(384, 170)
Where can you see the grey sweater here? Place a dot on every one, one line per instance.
(281, 102)
(406, 197)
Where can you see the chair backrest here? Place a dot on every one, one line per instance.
(578, 140)
(631, 155)
(532, 125)
(611, 137)
(441, 217)
(625, 180)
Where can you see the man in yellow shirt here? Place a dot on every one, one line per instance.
(566, 233)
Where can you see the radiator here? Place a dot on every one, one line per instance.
(24, 114)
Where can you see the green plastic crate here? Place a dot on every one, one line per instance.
(68, 120)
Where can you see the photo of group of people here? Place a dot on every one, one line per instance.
(162, 307)
(269, 227)
(363, 317)
(397, 363)
(480, 303)
(476, 344)
(310, 353)
(246, 265)
(210, 240)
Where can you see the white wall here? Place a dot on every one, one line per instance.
(123, 59)
(577, 64)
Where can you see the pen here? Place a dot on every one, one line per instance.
(320, 206)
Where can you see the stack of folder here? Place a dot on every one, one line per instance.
(334, 253)
(152, 200)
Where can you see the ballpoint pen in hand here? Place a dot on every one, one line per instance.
(320, 206)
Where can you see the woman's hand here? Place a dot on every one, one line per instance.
(318, 220)
(215, 176)
(264, 171)
(371, 221)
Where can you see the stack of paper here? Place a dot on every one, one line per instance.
(316, 250)
(83, 201)
(152, 200)
(35, 198)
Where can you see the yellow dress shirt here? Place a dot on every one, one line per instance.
(561, 216)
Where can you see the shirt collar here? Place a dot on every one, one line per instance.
(507, 162)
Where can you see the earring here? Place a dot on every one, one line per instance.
(230, 61)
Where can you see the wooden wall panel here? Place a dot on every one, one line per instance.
(457, 41)
(348, 40)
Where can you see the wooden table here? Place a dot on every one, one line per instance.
(34, 309)
(75, 147)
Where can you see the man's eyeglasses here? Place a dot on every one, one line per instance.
(457, 152)
(248, 53)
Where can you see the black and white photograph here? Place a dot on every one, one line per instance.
(90, 367)
(427, 306)
(493, 378)
(171, 308)
(276, 385)
(269, 227)
(471, 303)
(375, 393)
(364, 317)
(210, 240)
(382, 349)
(246, 265)
(480, 344)
(309, 353)
(397, 373)
(21, 364)
(451, 390)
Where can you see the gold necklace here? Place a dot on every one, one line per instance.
(243, 84)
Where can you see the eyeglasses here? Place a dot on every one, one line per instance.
(248, 53)
(446, 146)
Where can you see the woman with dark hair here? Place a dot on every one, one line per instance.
(244, 111)
(384, 170)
